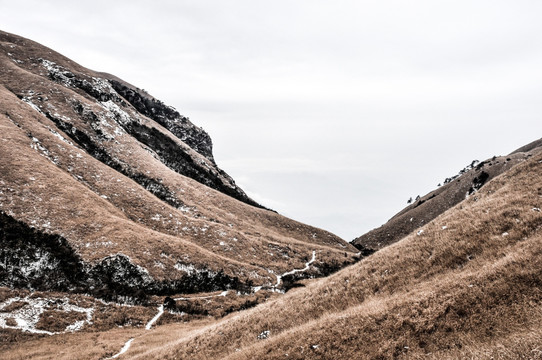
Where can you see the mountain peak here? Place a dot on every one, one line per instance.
(129, 185)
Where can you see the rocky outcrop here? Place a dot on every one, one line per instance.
(35, 260)
(111, 95)
(168, 117)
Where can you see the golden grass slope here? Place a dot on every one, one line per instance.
(54, 185)
(469, 286)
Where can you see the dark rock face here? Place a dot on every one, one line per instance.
(113, 95)
(176, 159)
(31, 259)
(99, 153)
(478, 182)
(168, 117)
(35, 260)
(169, 303)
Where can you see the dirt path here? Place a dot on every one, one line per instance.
(123, 350)
(155, 318)
(223, 293)
(307, 266)
(149, 325)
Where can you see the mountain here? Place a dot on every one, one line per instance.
(468, 286)
(121, 238)
(455, 189)
(105, 190)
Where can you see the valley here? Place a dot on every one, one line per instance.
(122, 238)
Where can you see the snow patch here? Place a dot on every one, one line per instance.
(28, 314)
(36, 145)
(156, 217)
(187, 268)
(62, 138)
(31, 104)
(116, 113)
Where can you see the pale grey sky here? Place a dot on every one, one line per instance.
(333, 113)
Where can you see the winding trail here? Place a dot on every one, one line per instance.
(123, 350)
(149, 325)
(223, 293)
(307, 265)
(155, 318)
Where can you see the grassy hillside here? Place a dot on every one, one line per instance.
(106, 192)
(468, 286)
(115, 172)
(453, 190)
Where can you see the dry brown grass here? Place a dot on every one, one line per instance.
(428, 207)
(67, 198)
(472, 290)
(57, 321)
(13, 306)
(84, 346)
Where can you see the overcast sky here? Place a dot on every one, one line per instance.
(333, 113)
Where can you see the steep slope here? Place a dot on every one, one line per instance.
(469, 286)
(455, 189)
(127, 186)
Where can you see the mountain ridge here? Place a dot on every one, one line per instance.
(108, 172)
(454, 189)
(120, 239)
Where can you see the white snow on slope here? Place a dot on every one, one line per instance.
(27, 315)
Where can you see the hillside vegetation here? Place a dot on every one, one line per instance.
(451, 192)
(131, 187)
(468, 286)
(120, 237)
